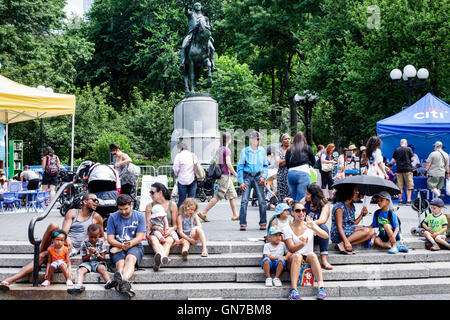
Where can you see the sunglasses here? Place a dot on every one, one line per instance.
(94, 199)
(152, 192)
(299, 210)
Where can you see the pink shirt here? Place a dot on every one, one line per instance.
(183, 167)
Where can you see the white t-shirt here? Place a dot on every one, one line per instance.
(279, 250)
(309, 247)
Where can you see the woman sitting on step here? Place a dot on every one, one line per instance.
(300, 241)
(345, 231)
(161, 195)
(317, 208)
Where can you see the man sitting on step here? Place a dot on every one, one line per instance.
(75, 224)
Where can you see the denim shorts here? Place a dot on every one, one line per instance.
(137, 251)
(92, 265)
(273, 264)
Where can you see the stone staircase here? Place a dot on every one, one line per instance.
(232, 271)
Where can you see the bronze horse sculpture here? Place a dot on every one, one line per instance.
(197, 57)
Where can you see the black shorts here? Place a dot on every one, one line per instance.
(33, 184)
(49, 180)
(326, 179)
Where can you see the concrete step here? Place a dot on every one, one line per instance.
(233, 290)
(370, 256)
(213, 246)
(255, 274)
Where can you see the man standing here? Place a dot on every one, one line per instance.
(31, 177)
(121, 163)
(193, 17)
(437, 169)
(75, 224)
(252, 173)
(125, 232)
(404, 156)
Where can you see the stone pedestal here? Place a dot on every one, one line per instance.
(196, 124)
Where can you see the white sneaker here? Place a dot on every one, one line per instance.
(277, 282)
(268, 282)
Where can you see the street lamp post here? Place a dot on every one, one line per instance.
(408, 75)
(42, 123)
(307, 100)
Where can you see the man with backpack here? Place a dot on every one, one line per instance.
(50, 168)
(388, 225)
(437, 169)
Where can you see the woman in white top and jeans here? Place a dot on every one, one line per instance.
(183, 167)
(300, 241)
(375, 163)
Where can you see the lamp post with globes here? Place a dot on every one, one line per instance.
(408, 75)
(307, 101)
(42, 123)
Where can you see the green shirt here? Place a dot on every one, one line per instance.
(436, 223)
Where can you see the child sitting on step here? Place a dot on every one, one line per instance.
(275, 255)
(282, 216)
(435, 225)
(93, 257)
(159, 225)
(189, 227)
(388, 225)
(58, 259)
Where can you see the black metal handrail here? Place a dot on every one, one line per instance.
(37, 241)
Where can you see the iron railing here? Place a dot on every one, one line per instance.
(37, 241)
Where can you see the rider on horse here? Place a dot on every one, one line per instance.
(193, 17)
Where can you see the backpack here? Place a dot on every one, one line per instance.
(51, 166)
(390, 218)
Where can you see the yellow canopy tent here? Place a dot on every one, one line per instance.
(22, 103)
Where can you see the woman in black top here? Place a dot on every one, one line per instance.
(299, 158)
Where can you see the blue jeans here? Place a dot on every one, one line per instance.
(297, 182)
(252, 183)
(323, 243)
(273, 264)
(186, 191)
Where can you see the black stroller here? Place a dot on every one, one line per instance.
(100, 179)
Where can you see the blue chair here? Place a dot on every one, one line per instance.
(47, 196)
(10, 200)
(37, 202)
(14, 186)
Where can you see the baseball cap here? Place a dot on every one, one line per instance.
(438, 202)
(275, 230)
(281, 207)
(158, 211)
(384, 195)
(254, 135)
(438, 143)
(362, 148)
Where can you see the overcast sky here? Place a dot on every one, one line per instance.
(74, 6)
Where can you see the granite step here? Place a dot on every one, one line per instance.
(233, 290)
(370, 256)
(255, 274)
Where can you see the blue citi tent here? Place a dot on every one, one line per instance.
(422, 124)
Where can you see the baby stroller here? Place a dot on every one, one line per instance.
(205, 189)
(101, 180)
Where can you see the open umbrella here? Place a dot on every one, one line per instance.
(369, 185)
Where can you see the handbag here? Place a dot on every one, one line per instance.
(306, 277)
(198, 170)
(214, 171)
(327, 167)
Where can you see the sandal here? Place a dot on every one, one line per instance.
(184, 254)
(327, 266)
(204, 253)
(4, 286)
(346, 252)
(203, 217)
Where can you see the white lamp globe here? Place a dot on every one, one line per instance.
(404, 77)
(41, 87)
(409, 71)
(50, 90)
(423, 74)
(396, 74)
(298, 97)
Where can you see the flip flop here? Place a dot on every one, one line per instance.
(4, 286)
(346, 252)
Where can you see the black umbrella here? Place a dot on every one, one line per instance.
(369, 185)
